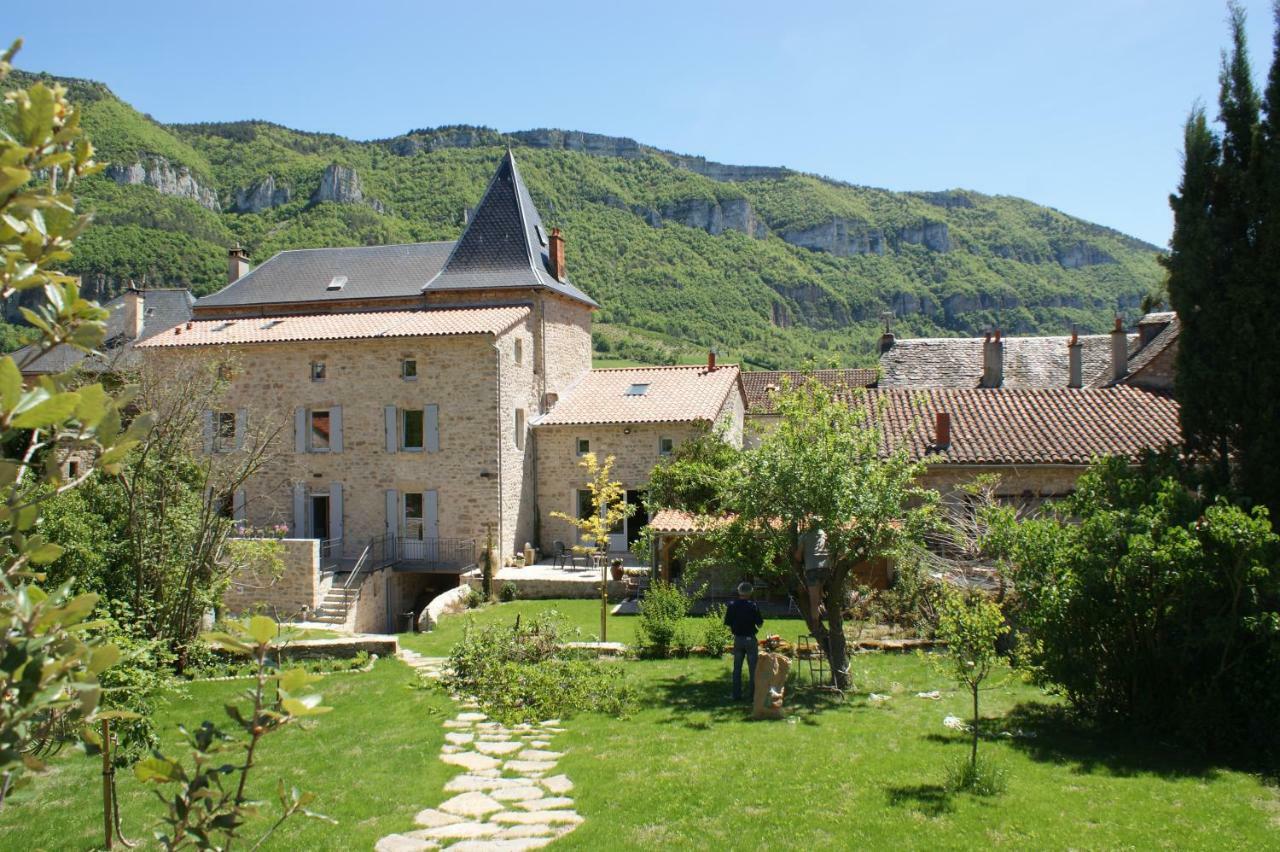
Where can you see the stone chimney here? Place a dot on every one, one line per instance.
(237, 264)
(132, 311)
(1075, 361)
(711, 360)
(887, 339)
(555, 249)
(942, 430)
(1119, 351)
(993, 360)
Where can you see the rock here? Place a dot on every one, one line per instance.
(404, 843)
(595, 144)
(534, 830)
(838, 236)
(470, 760)
(457, 738)
(539, 754)
(527, 767)
(523, 793)
(463, 783)
(263, 195)
(558, 784)
(460, 831)
(932, 235)
(714, 217)
(471, 717)
(537, 818)
(341, 185)
(432, 818)
(548, 803)
(950, 199)
(1076, 255)
(498, 747)
(470, 804)
(165, 178)
(495, 845)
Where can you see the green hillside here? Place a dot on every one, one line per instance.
(773, 267)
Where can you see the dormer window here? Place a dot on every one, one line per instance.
(337, 282)
(542, 235)
(638, 389)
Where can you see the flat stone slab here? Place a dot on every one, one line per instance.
(494, 845)
(432, 818)
(457, 738)
(471, 804)
(461, 831)
(539, 754)
(534, 743)
(521, 793)
(498, 747)
(558, 784)
(471, 717)
(464, 783)
(524, 766)
(536, 818)
(404, 843)
(470, 760)
(549, 803)
(612, 648)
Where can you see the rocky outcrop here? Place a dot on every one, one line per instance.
(595, 144)
(715, 217)
(165, 178)
(1078, 254)
(724, 172)
(341, 185)
(441, 138)
(263, 195)
(841, 237)
(932, 235)
(949, 199)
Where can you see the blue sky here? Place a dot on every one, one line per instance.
(1078, 105)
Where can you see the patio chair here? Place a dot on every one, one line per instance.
(563, 554)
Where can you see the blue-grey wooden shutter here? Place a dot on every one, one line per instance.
(335, 510)
(237, 506)
(299, 511)
(208, 431)
(430, 514)
(242, 425)
(300, 430)
(335, 427)
(431, 427)
(393, 513)
(393, 442)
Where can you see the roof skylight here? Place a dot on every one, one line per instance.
(638, 389)
(337, 282)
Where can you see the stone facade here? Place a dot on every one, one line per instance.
(285, 596)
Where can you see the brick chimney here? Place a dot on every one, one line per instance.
(1075, 361)
(132, 312)
(993, 360)
(555, 249)
(942, 430)
(711, 360)
(1119, 351)
(237, 264)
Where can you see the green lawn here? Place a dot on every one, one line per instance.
(689, 770)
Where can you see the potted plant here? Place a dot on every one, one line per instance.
(615, 569)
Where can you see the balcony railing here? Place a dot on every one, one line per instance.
(432, 554)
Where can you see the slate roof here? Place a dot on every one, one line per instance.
(1003, 426)
(672, 395)
(505, 243)
(162, 309)
(1167, 337)
(304, 275)
(759, 384)
(1029, 362)
(347, 326)
(504, 246)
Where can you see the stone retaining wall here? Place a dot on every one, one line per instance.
(256, 587)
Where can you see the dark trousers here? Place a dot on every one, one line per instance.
(744, 646)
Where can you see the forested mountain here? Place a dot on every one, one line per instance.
(772, 266)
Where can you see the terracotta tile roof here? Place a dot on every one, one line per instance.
(680, 522)
(1034, 426)
(668, 395)
(341, 326)
(758, 384)
(956, 362)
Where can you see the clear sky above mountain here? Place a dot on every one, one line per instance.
(1077, 105)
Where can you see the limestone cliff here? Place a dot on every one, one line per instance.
(166, 178)
(263, 195)
(341, 185)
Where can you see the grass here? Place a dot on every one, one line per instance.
(688, 769)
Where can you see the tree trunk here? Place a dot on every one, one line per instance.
(836, 643)
(973, 755)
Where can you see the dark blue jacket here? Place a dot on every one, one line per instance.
(743, 617)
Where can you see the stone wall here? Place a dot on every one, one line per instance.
(284, 596)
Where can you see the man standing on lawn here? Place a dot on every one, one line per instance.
(744, 619)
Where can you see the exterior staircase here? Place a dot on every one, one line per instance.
(335, 606)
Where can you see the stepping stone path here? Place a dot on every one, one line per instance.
(503, 798)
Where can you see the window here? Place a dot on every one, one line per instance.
(638, 389)
(337, 282)
(519, 351)
(320, 430)
(317, 371)
(413, 514)
(409, 369)
(519, 428)
(411, 429)
(584, 446)
(665, 446)
(224, 431)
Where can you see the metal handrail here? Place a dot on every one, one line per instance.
(359, 566)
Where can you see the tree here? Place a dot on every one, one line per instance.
(971, 625)
(608, 509)
(822, 470)
(48, 665)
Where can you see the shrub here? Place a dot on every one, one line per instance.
(1149, 605)
(983, 777)
(475, 598)
(519, 673)
(715, 633)
(509, 593)
(662, 612)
